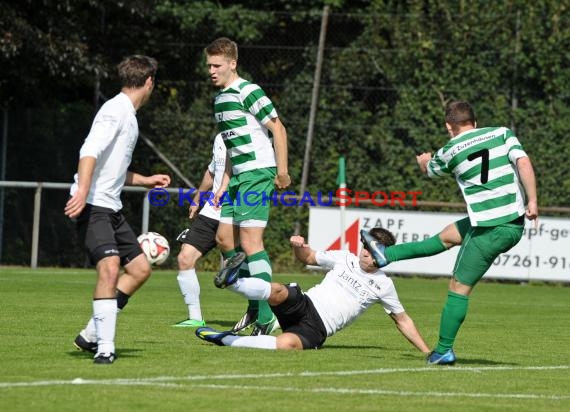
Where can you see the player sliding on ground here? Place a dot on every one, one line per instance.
(352, 285)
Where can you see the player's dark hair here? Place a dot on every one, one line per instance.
(134, 70)
(459, 113)
(222, 47)
(382, 235)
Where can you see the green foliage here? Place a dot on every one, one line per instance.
(389, 68)
(234, 21)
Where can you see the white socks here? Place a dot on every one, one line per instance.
(252, 288)
(190, 289)
(90, 331)
(105, 322)
(257, 342)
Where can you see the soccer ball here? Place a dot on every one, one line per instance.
(155, 247)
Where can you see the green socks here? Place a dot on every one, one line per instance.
(243, 273)
(260, 267)
(428, 247)
(257, 265)
(452, 316)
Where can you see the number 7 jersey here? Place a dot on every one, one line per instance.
(483, 162)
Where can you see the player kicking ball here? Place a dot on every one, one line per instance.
(352, 285)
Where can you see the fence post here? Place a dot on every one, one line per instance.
(313, 110)
(36, 225)
(3, 176)
(145, 213)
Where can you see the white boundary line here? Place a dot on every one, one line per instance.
(170, 381)
(383, 392)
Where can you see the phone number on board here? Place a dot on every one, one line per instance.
(554, 262)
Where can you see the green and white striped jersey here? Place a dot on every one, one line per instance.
(484, 164)
(241, 110)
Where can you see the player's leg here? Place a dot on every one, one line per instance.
(189, 285)
(285, 341)
(250, 315)
(96, 229)
(252, 215)
(128, 283)
(303, 327)
(252, 310)
(255, 289)
(480, 248)
(196, 242)
(105, 308)
(136, 271)
(450, 236)
(227, 238)
(259, 267)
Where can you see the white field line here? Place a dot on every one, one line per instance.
(170, 381)
(382, 392)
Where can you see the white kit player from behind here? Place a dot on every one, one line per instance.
(200, 238)
(95, 205)
(352, 285)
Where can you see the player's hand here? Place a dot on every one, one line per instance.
(158, 181)
(192, 211)
(75, 205)
(532, 212)
(297, 241)
(217, 198)
(423, 159)
(282, 181)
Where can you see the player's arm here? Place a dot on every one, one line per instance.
(158, 180)
(423, 160)
(528, 180)
(406, 326)
(225, 180)
(77, 203)
(103, 132)
(433, 165)
(302, 250)
(282, 180)
(206, 184)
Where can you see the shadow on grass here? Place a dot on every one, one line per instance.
(221, 324)
(121, 353)
(461, 362)
(375, 347)
(468, 362)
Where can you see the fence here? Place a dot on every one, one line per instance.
(377, 100)
(62, 249)
(37, 208)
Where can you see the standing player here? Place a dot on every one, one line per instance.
(256, 143)
(200, 238)
(494, 173)
(96, 205)
(351, 286)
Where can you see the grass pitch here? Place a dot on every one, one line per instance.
(513, 352)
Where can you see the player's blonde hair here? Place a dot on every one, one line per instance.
(223, 47)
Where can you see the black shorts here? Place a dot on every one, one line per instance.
(201, 235)
(105, 232)
(298, 315)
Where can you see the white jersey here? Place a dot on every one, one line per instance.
(111, 142)
(216, 167)
(347, 291)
